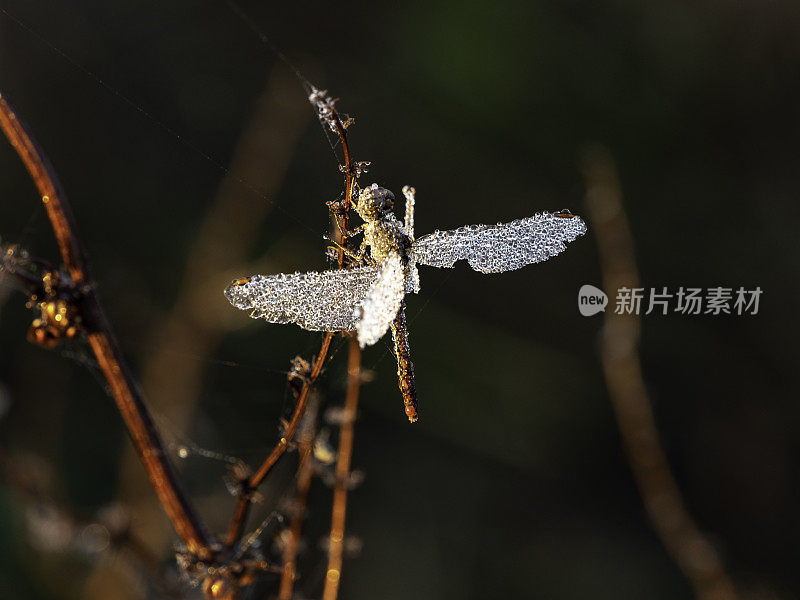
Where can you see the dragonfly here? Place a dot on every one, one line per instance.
(369, 297)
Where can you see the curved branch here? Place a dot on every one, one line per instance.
(53, 198)
(138, 421)
(691, 551)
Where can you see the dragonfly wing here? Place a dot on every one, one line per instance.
(501, 247)
(412, 279)
(324, 301)
(382, 302)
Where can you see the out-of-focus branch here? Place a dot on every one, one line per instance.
(112, 523)
(230, 227)
(690, 550)
(124, 389)
(336, 546)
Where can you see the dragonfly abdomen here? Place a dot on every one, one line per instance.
(405, 368)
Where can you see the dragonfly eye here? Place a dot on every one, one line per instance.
(384, 199)
(374, 199)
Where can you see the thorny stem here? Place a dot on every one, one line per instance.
(140, 425)
(344, 455)
(245, 499)
(690, 550)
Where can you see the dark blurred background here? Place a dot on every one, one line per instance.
(191, 157)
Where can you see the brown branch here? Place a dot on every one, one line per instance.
(245, 499)
(140, 426)
(305, 473)
(53, 197)
(336, 546)
(137, 419)
(690, 550)
(328, 115)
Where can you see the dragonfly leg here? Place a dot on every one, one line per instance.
(405, 368)
(409, 192)
(355, 231)
(358, 257)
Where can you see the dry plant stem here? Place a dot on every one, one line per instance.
(695, 556)
(289, 573)
(225, 237)
(49, 187)
(243, 505)
(102, 341)
(344, 455)
(305, 473)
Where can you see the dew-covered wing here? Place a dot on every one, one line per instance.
(324, 301)
(501, 247)
(382, 302)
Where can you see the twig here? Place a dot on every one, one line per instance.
(336, 546)
(305, 473)
(690, 550)
(328, 115)
(243, 506)
(53, 197)
(147, 441)
(140, 425)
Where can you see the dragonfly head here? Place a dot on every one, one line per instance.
(373, 201)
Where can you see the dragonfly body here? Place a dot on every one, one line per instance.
(383, 233)
(369, 298)
(405, 368)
